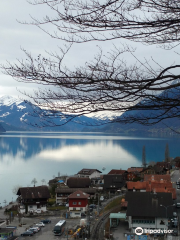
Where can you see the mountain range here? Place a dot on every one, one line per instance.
(18, 115)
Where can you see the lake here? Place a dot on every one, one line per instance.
(41, 155)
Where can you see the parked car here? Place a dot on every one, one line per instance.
(27, 233)
(46, 221)
(38, 211)
(177, 183)
(61, 204)
(175, 214)
(37, 227)
(83, 214)
(178, 205)
(101, 198)
(40, 224)
(92, 206)
(34, 230)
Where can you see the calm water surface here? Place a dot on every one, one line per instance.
(28, 155)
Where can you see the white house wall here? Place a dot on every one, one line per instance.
(155, 225)
(75, 214)
(95, 174)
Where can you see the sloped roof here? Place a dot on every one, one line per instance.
(147, 204)
(116, 171)
(34, 192)
(136, 185)
(77, 182)
(118, 215)
(78, 194)
(177, 159)
(153, 186)
(157, 177)
(135, 169)
(156, 184)
(167, 190)
(163, 164)
(71, 190)
(88, 171)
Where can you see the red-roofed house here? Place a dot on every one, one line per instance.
(117, 171)
(152, 186)
(157, 177)
(136, 186)
(78, 202)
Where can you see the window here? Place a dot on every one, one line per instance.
(74, 208)
(79, 203)
(30, 206)
(81, 208)
(74, 203)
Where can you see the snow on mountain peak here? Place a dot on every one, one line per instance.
(8, 100)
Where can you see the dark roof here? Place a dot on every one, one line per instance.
(146, 204)
(71, 190)
(34, 192)
(78, 194)
(113, 181)
(78, 182)
(116, 171)
(163, 164)
(176, 159)
(88, 171)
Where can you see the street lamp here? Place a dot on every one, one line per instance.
(166, 207)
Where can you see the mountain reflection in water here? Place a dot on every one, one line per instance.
(40, 155)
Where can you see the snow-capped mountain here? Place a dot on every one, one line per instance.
(21, 115)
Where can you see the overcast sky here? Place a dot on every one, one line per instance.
(14, 35)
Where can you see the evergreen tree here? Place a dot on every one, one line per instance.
(167, 156)
(144, 157)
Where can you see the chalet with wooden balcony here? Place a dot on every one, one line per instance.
(63, 193)
(32, 198)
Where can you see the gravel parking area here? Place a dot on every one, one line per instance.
(46, 232)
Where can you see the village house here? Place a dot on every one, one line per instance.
(98, 182)
(157, 177)
(165, 165)
(63, 193)
(133, 173)
(76, 182)
(78, 203)
(113, 182)
(151, 211)
(90, 173)
(120, 172)
(176, 162)
(32, 199)
(152, 186)
(148, 170)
